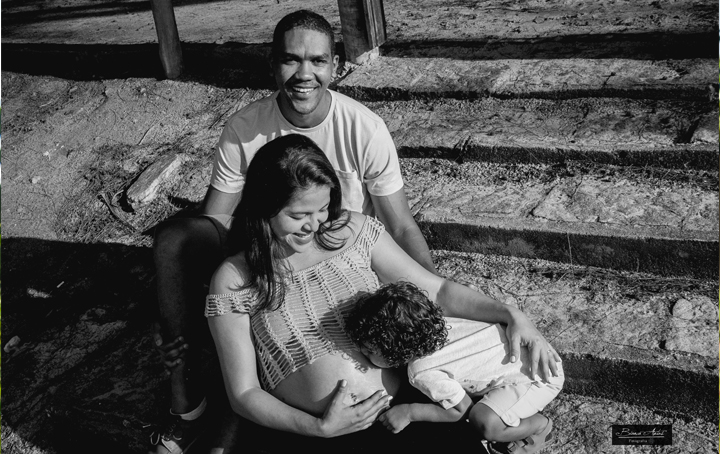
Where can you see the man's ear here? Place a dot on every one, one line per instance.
(336, 65)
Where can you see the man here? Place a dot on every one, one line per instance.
(188, 250)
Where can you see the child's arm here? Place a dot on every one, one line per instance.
(399, 416)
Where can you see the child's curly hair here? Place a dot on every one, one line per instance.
(398, 322)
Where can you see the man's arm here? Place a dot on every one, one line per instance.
(218, 202)
(394, 212)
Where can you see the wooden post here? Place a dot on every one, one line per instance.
(363, 28)
(168, 38)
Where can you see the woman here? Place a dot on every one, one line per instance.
(277, 306)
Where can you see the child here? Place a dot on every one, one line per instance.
(455, 366)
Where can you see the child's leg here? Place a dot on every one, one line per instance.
(492, 428)
(509, 415)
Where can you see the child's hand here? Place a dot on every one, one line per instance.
(396, 418)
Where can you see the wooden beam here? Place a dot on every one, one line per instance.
(363, 28)
(168, 39)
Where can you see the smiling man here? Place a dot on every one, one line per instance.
(304, 66)
(188, 250)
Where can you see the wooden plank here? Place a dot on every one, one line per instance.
(375, 22)
(363, 28)
(168, 38)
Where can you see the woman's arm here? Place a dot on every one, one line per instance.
(399, 416)
(232, 335)
(392, 264)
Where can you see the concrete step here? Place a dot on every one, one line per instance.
(635, 338)
(661, 133)
(447, 70)
(392, 77)
(572, 23)
(612, 217)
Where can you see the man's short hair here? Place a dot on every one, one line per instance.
(306, 19)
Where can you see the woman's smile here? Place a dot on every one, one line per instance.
(304, 237)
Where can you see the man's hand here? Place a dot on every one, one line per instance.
(171, 354)
(396, 418)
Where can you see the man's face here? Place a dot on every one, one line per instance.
(303, 70)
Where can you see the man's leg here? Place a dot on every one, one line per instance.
(186, 251)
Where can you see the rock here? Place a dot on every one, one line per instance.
(690, 321)
(145, 189)
(688, 310)
(707, 129)
(12, 344)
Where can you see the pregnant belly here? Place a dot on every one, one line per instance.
(311, 388)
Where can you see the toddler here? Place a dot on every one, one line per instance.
(461, 365)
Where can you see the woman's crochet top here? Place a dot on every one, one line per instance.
(310, 323)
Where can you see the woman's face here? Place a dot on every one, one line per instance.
(296, 224)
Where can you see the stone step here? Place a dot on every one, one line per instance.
(635, 338)
(457, 72)
(543, 50)
(409, 78)
(661, 133)
(670, 26)
(611, 217)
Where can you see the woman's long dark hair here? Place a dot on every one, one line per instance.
(280, 169)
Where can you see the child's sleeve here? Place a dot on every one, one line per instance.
(439, 387)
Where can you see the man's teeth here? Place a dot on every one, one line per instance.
(303, 90)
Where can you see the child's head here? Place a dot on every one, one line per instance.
(397, 323)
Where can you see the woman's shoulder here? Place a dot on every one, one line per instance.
(365, 230)
(358, 224)
(230, 276)
(357, 220)
(228, 292)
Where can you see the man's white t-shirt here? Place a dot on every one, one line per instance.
(355, 140)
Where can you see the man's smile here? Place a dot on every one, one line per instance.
(302, 89)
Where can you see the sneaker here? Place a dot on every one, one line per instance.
(177, 437)
(529, 445)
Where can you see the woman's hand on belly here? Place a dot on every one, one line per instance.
(340, 418)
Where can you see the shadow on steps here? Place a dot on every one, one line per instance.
(241, 65)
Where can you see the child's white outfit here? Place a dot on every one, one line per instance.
(476, 361)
